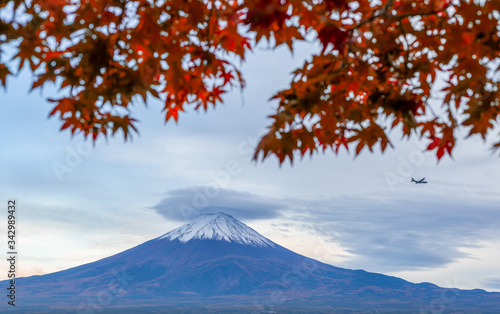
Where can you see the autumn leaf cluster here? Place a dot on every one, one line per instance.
(378, 65)
(379, 68)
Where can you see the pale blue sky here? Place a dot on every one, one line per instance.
(360, 213)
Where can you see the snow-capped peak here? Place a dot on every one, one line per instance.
(220, 227)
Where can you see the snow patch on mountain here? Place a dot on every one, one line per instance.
(220, 227)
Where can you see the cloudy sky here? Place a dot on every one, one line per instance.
(79, 203)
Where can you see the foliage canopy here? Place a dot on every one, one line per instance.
(379, 64)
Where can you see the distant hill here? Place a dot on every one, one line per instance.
(218, 264)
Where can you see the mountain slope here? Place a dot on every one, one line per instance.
(216, 260)
(218, 226)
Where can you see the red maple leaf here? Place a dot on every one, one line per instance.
(331, 34)
(335, 4)
(266, 13)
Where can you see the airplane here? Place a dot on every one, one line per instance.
(418, 181)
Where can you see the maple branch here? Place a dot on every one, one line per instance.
(210, 15)
(428, 106)
(405, 15)
(385, 8)
(375, 15)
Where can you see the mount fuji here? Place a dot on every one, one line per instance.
(215, 264)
